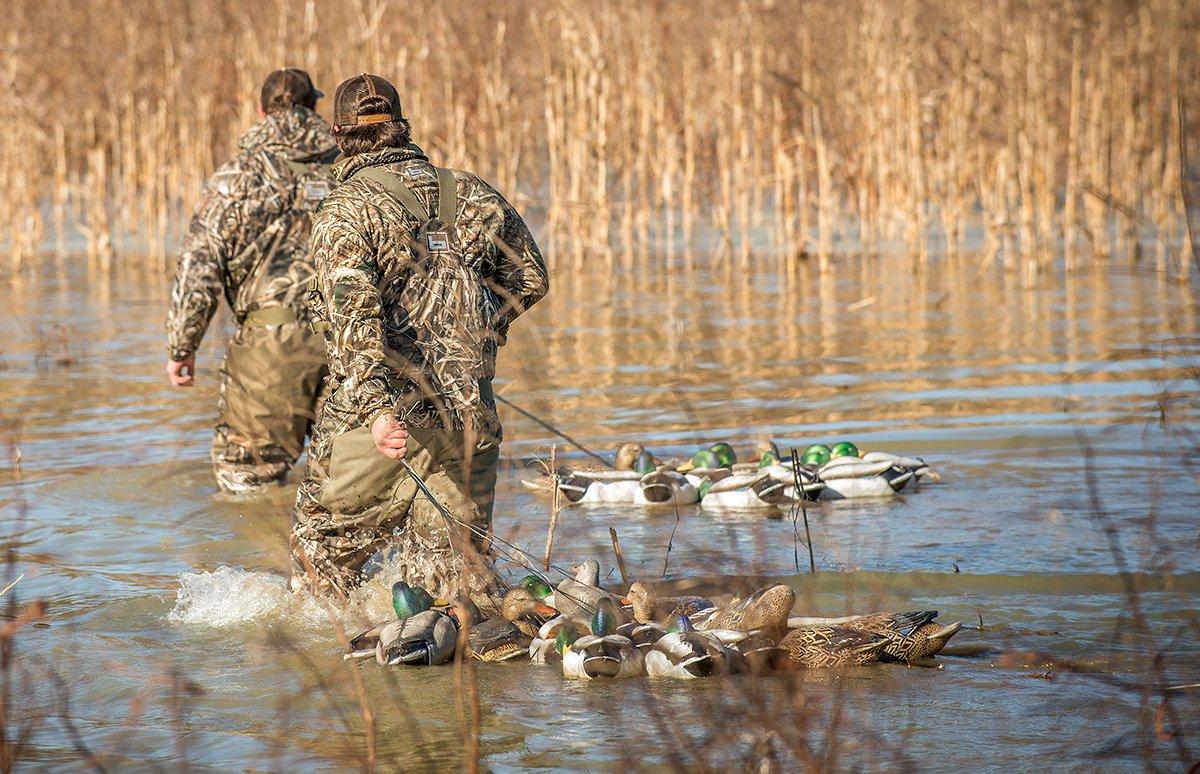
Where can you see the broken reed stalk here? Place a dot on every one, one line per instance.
(553, 510)
(467, 680)
(616, 544)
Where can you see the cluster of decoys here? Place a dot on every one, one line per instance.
(596, 634)
(714, 478)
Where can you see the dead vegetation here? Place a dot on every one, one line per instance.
(1025, 128)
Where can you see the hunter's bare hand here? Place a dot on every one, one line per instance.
(390, 436)
(182, 373)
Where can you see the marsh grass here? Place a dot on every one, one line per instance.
(761, 126)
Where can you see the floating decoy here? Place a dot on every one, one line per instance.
(506, 635)
(406, 601)
(686, 653)
(603, 653)
(818, 645)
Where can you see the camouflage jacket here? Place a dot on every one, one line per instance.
(248, 238)
(398, 332)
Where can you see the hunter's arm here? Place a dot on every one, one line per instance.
(213, 236)
(520, 279)
(348, 281)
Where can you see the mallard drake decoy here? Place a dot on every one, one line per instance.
(719, 456)
(910, 636)
(406, 601)
(745, 490)
(818, 645)
(686, 653)
(849, 474)
(603, 653)
(637, 479)
(643, 635)
(765, 483)
(547, 644)
(648, 607)
(578, 598)
(503, 636)
(764, 453)
(766, 609)
(425, 639)
(539, 588)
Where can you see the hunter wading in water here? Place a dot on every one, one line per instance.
(420, 272)
(249, 241)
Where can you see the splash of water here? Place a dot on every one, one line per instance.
(230, 597)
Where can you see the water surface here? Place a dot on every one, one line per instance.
(1057, 413)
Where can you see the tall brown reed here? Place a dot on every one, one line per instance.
(1025, 127)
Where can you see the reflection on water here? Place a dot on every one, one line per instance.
(1007, 389)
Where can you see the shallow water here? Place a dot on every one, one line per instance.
(1055, 412)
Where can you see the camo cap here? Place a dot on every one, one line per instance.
(365, 99)
(285, 87)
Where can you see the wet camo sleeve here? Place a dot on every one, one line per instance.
(348, 277)
(520, 277)
(214, 235)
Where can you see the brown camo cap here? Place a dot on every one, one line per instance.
(348, 107)
(285, 87)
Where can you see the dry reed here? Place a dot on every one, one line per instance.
(1024, 128)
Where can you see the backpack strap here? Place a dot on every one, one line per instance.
(447, 207)
(447, 196)
(392, 184)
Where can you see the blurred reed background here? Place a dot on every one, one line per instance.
(1026, 130)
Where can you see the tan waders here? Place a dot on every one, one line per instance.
(270, 382)
(378, 509)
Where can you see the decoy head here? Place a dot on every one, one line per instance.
(565, 638)
(644, 600)
(705, 458)
(539, 588)
(724, 454)
(409, 600)
(587, 572)
(645, 463)
(680, 623)
(769, 607)
(604, 620)
(627, 456)
(843, 449)
(464, 611)
(520, 602)
(817, 455)
(766, 446)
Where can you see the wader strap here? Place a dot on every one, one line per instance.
(486, 393)
(447, 196)
(272, 315)
(392, 185)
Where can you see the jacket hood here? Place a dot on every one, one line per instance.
(346, 167)
(297, 134)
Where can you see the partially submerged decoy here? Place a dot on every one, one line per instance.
(648, 607)
(818, 645)
(503, 636)
(406, 601)
(765, 610)
(909, 636)
(686, 653)
(603, 653)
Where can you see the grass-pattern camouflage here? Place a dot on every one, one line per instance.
(400, 332)
(248, 239)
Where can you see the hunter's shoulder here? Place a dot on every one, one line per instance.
(477, 191)
(241, 177)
